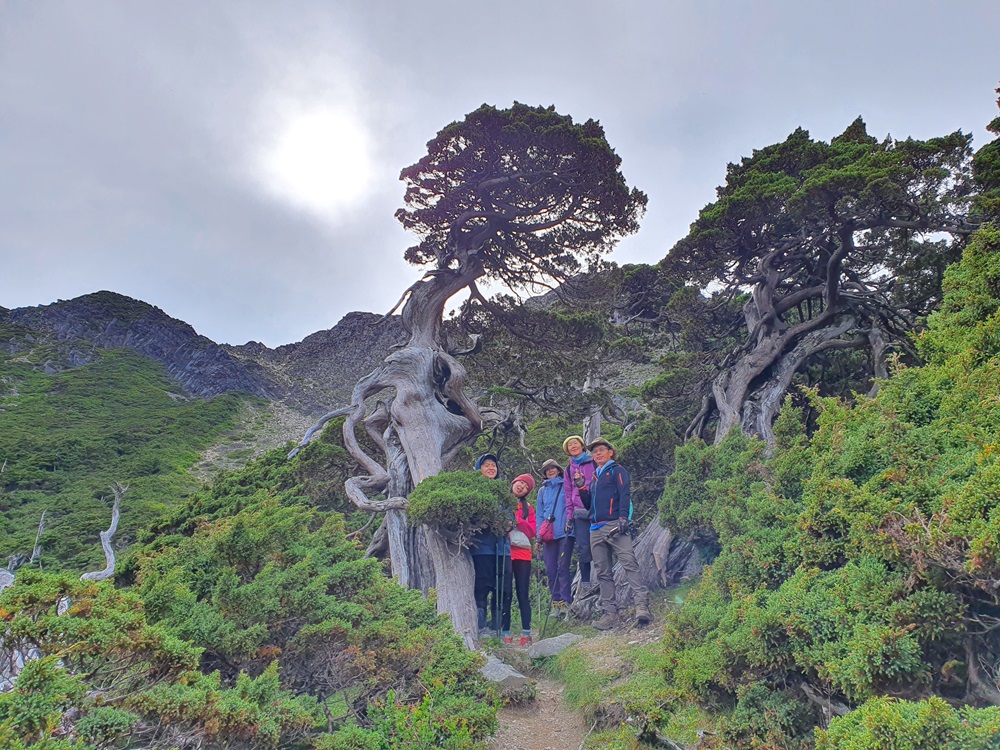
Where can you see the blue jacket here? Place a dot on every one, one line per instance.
(485, 543)
(552, 502)
(609, 495)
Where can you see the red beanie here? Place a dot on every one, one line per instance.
(527, 479)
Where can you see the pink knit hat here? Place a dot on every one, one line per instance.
(527, 479)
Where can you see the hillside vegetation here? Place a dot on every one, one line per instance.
(66, 436)
(849, 599)
(856, 567)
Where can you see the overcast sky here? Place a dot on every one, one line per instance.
(236, 163)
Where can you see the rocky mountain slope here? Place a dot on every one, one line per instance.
(311, 376)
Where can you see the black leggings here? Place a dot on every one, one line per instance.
(490, 576)
(522, 578)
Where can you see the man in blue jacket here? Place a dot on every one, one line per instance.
(609, 500)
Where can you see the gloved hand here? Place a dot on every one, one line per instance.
(622, 525)
(580, 481)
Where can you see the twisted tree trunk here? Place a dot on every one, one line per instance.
(420, 428)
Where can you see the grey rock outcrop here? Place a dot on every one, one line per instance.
(312, 376)
(513, 685)
(318, 373)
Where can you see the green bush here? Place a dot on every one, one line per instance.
(889, 724)
(462, 502)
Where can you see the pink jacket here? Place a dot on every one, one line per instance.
(527, 525)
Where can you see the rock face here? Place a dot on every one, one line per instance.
(318, 373)
(553, 646)
(312, 376)
(513, 685)
(105, 320)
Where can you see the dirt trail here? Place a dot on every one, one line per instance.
(547, 723)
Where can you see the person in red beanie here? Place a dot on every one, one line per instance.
(520, 555)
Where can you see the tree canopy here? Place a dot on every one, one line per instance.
(524, 192)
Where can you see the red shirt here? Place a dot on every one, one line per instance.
(527, 525)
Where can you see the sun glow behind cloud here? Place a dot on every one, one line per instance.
(321, 161)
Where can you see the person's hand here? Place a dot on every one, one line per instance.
(569, 527)
(580, 481)
(622, 525)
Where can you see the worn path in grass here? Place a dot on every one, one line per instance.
(548, 722)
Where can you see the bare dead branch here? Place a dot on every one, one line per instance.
(119, 491)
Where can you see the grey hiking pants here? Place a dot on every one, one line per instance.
(605, 543)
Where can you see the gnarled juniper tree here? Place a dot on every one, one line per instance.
(836, 245)
(506, 195)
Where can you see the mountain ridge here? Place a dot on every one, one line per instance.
(310, 376)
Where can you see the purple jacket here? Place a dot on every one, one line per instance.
(586, 467)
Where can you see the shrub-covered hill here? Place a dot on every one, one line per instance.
(857, 567)
(246, 617)
(66, 436)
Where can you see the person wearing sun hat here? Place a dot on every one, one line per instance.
(581, 464)
(608, 498)
(558, 551)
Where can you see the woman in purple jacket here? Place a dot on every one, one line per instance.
(578, 518)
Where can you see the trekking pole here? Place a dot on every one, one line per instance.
(498, 591)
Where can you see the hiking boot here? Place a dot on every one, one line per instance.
(642, 615)
(525, 641)
(508, 641)
(607, 621)
(556, 609)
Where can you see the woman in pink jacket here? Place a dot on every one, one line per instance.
(520, 555)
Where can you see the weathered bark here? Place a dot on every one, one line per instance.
(880, 348)
(827, 705)
(421, 428)
(36, 552)
(119, 491)
(760, 407)
(979, 690)
(663, 559)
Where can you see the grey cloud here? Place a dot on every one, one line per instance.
(128, 131)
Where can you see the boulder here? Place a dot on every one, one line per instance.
(513, 685)
(553, 646)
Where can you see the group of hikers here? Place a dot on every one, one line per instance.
(587, 506)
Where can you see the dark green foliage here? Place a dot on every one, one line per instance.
(260, 576)
(66, 437)
(34, 709)
(462, 502)
(986, 170)
(889, 724)
(529, 190)
(103, 652)
(859, 561)
(103, 726)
